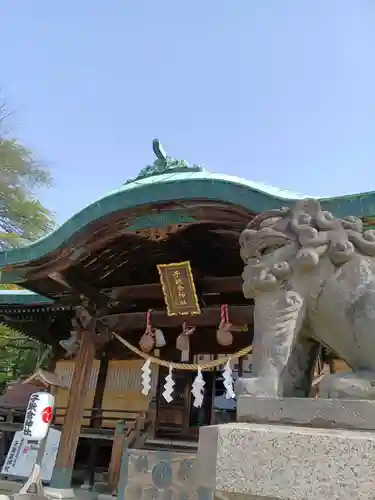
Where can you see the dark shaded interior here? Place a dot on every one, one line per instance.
(108, 253)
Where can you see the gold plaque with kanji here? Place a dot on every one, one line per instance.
(179, 288)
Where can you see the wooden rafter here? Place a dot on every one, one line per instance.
(206, 286)
(210, 316)
(106, 232)
(232, 284)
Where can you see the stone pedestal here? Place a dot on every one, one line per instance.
(291, 462)
(317, 413)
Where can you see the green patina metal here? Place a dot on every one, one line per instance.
(24, 298)
(170, 180)
(164, 164)
(12, 277)
(165, 218)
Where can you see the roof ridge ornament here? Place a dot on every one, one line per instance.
(164, 164)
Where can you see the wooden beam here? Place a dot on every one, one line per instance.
(59, 278)
(96, 416)
(232, 284)
(80, 284)
(152, 291)
(62, 474)
(210, 316)
(10, 426)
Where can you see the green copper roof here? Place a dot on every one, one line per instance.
(169, 179)
(22, 297)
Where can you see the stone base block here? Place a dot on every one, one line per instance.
(291, 463)
(8, 487)
(70, 494)
(59, 493)
(323, 413)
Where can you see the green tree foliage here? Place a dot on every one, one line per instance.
(19, 355)
(22, 219)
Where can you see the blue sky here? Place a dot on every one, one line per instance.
(277, 91)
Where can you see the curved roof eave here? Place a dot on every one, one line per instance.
(182, 186)
(23, 297)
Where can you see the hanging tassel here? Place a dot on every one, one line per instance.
(159, 338)
(223, 334)
(183, 341)
(146, 378)
(147, 341)
(228, 381)
(197, 389)
(168, 386)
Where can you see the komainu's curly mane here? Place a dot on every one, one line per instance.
(315, 230)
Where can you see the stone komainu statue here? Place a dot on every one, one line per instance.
(312, 278)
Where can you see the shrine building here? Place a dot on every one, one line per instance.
(129, 289)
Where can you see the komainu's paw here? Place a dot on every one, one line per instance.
(357, 385)
(255, 386)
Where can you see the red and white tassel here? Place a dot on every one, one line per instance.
(147, 341)
(223, 334)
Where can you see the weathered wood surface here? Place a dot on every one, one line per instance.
(76, 405)
(128, 435)
(210, 316)
(231, 284)
(122, 398)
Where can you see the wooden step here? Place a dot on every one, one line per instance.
(170, 445)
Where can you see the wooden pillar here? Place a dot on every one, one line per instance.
(213, 412)
(62, 474)
(240, 366)
(97, 414)
(116, 456)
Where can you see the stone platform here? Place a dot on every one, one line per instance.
(308, 460)
(319, 413)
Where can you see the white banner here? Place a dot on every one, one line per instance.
(22, 455)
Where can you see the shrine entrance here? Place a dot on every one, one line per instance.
(179, 419)
(149, 276)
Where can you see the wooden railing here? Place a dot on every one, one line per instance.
(132, 430)
(11, 419)
(133, 435)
